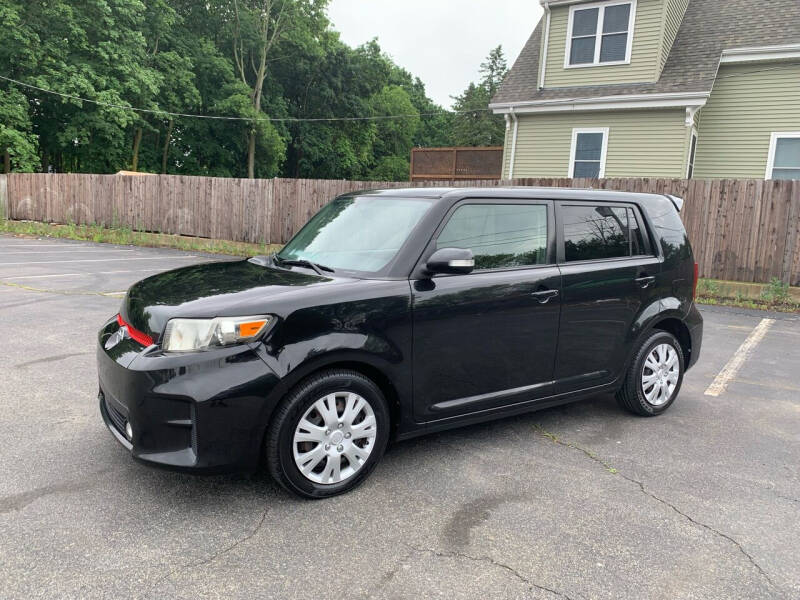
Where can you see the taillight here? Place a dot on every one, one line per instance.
(694, 283)
(136, 335)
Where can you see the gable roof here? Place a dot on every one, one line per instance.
(708, 28)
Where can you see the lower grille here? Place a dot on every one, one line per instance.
(117, 418)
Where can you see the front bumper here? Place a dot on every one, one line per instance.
(203, 411)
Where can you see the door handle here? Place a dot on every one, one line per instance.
(645, 282)
(545, 295)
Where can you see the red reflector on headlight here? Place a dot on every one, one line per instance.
(136, 335)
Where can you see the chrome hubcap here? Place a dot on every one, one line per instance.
(660, 374)
(334, 438)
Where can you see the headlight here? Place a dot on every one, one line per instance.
(185, 335)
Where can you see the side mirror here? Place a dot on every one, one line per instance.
(459, 261)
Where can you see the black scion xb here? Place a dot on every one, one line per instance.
(396, 313)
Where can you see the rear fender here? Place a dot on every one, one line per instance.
(657, 311)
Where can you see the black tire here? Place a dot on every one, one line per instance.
(631, 395)
(280, 433)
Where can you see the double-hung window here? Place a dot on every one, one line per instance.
(784, 156)
(600, 33)
(588, 154)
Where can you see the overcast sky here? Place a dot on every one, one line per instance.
(443, 42)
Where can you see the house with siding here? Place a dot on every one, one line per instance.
(656, 88)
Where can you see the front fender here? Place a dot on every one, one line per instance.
(371, 332)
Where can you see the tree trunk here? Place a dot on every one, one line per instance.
(137, 140)
(6, 161)
(166, 148)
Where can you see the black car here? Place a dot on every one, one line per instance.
(395, 313)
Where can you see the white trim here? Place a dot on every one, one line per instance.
(760, 53)
(513, 157)
(682, 99)
(603, 152)
(560, 2)
(543, 69)
(773, 146)
(691, 161)
(598, 35)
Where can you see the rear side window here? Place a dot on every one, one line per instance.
(670, 230)
(601, 232)
(499, 235)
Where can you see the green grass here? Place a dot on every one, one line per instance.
(128, 237)
(774, 296)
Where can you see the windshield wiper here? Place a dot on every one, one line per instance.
(301, 262)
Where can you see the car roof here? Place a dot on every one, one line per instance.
(520, 192)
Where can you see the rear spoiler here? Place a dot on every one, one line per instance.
(678, 202)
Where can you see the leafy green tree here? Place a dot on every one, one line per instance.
(17, 144)
(257, 29)
(275, 73)
(329, 81)
(394, 137)
(474, 125)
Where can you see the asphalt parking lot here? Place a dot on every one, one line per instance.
(581, 501)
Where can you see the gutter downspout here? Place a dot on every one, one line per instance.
(513, 143)
(543, 70)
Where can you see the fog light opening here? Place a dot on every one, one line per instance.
(129, 431)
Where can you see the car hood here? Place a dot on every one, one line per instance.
(237, 288)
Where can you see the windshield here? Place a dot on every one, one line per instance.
(357, 233)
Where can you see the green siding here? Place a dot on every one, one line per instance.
(644, 54)
(673, 16)
(747, 104)
(641, 143)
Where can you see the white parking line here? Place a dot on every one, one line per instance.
(79, 274)
(46, 245)
(95, 250)
(730, 370)
(56, 262)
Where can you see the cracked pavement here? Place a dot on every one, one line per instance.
(581, 501)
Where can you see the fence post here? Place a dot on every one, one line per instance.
(3, 197)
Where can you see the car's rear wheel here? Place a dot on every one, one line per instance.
(328, 434)
(654, 378)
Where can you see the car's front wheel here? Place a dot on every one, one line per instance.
(654, 378)
(328, 434)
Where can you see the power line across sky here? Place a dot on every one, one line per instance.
(167, 113)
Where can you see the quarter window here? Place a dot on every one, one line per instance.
(599, 232)
(600, 34)
(588, 155)
(784, 159)
(499, 235)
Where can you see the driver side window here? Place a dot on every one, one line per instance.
(499, 235)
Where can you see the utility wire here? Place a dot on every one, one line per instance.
(248, 119)
(309, 119)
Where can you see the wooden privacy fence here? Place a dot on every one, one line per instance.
(743, 230)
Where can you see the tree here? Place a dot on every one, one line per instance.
(17, 143)
(475, 125)
(272, 77)
(258, 27)
(394, 137)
